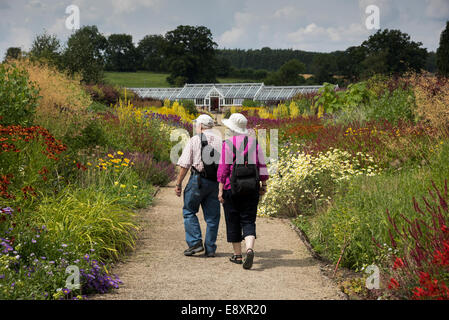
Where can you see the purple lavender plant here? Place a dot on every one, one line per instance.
(96, 279)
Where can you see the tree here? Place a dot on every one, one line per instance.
(324, 67)
(288, 74)
(84, 54)
(121, 54)
(431, 63)
(151, 52)
(349, 63)
(223, 67)
(395, 51)
(13, 53)
(443, 53)
(190, 53)
(46, 47)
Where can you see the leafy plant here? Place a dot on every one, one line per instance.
(18, 96)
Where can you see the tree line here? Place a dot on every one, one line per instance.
(190, 55)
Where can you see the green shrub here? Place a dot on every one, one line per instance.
(250, 103)
(18, 96)
(190, 106)
(359, 210)
(393, 106)
(92, 135)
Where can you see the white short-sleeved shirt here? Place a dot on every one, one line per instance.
(191, 155)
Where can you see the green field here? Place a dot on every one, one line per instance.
(143, 79)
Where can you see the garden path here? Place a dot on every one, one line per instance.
(283, 268)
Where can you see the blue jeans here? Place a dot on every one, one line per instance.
(204, 193)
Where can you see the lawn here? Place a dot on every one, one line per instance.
(143, 79)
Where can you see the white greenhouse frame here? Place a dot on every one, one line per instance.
(228, 94)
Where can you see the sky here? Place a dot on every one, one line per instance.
(311, 25)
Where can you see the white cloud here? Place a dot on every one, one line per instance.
(315, 33)
(243, 22)
(127, 6)
(288, 12)
(18, 37)
(438, 9)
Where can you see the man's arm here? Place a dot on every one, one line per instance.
(181, 176)
(184, 162)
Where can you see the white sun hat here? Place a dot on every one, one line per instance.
(205, 120)
(237, 123)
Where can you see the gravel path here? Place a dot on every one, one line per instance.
(283, 268)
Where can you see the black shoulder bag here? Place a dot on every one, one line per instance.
(244, 177)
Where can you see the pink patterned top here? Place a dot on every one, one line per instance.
(226, 163)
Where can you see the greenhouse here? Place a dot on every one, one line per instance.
(215, 96)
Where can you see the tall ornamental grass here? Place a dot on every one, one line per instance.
(90, 219)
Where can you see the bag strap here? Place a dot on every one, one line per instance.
(203, 144)
(245, 155)
(234, 149)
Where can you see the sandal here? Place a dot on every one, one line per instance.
(236, 258)
(249, 259)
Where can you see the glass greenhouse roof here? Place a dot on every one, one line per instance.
(255, 91)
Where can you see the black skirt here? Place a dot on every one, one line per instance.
(240, 215)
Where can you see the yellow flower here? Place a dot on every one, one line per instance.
(122, 186)
(110, 156)
(120, 153)
(126, 160)
(89, 164)
(135, 187)
(116, 183)
(124, 164)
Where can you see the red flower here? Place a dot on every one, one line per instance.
(398, 263)
(394, 284)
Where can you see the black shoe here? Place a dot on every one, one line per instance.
(209, 254)
(249, 259)
(195, 249)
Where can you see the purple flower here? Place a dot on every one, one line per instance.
(33, 241)
(66, 291)
(64, 245)
(2, 276)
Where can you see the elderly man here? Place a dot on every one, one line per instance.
(202, 188)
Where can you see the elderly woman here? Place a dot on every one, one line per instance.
(240, 209)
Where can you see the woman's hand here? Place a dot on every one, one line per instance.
(220, 193)
(263, 189)
(220, 197)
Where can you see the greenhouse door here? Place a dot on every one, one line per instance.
(214, 103)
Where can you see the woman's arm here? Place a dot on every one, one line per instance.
(224, 168)
(220, 192)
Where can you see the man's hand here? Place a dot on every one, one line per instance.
(178, 190)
